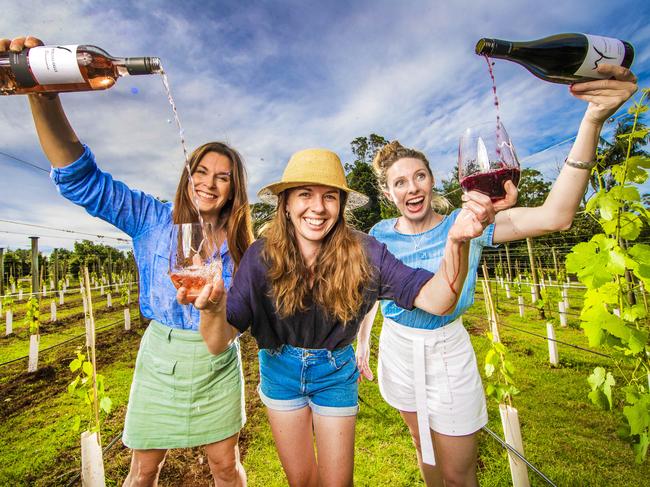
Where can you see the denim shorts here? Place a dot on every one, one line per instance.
(326, 381)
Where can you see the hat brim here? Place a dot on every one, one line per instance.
(269, 194)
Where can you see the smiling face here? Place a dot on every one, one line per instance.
(410, 187)
(213, 184)
(313, 211)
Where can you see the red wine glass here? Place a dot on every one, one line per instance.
(194, 258)
(486, 160)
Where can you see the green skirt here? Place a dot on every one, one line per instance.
(182, 395)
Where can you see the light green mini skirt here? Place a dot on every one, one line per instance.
(182, 395)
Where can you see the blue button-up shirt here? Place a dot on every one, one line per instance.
(148, 222)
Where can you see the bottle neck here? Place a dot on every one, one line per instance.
(493, 48)
(141, 65)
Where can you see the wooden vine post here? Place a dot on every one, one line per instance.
(533, 272)
(92, 462)
(494, 327)
(500, 387)
(557, 272)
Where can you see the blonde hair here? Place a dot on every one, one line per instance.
(339, 275)
(235, 212)
(393, 152)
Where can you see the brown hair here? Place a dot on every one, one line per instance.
(339, 275)
(235, 212)
(393, 152)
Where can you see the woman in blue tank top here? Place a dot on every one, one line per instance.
(427, 367)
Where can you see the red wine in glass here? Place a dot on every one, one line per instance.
(486, 160)
(491, 183)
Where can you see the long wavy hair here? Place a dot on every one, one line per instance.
(235, 214)
(339, 275)
(393, 152)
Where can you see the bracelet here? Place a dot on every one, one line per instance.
(580, 164)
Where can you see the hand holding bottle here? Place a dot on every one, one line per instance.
(607, 95)
(19, 43)
(27, 66)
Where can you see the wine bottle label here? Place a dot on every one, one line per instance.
(600, 50)
(55, 65)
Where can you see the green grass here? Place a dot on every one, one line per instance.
(564, 435)
(39, 446)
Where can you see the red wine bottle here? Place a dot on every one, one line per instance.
(562, 58)
(46, 69)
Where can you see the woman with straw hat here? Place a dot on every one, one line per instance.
(302, 290)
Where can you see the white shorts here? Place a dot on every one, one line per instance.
(453, 396)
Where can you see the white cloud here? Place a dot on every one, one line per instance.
(272, 79)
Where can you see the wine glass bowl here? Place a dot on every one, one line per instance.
(194, 258)
(486, 160)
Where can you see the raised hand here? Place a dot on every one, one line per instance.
(607, 95)
(19, 43)
(212, 297)
(476, 213)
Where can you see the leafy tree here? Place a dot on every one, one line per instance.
(614, 152)
(261, 213)
(361, 178)
(450, 189)
(533, 188)
(95, 256)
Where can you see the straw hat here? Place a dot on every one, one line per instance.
(313, 167)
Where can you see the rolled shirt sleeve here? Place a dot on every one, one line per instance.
(241, 295)
(397, 281)
(84, 184)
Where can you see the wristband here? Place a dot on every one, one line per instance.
(580, 164)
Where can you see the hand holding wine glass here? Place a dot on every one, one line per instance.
(212, 297)
(194, 261)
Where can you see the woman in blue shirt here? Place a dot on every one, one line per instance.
(181, 395)
(427, 367)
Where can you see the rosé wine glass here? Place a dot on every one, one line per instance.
(486, 160)
(194, 258)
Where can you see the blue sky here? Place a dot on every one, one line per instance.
(275, 77)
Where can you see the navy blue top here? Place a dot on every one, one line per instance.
(250, 303)
(148, 222)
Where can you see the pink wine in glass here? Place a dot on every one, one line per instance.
(193, 278)
(491, 183)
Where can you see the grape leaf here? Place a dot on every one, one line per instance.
(88, 368)
(106, 404)
(638, 414)
(75, 364)
(76, 423)
(601, 381)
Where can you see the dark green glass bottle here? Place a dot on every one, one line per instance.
(561, 58)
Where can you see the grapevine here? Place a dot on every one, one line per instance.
(610, 316)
